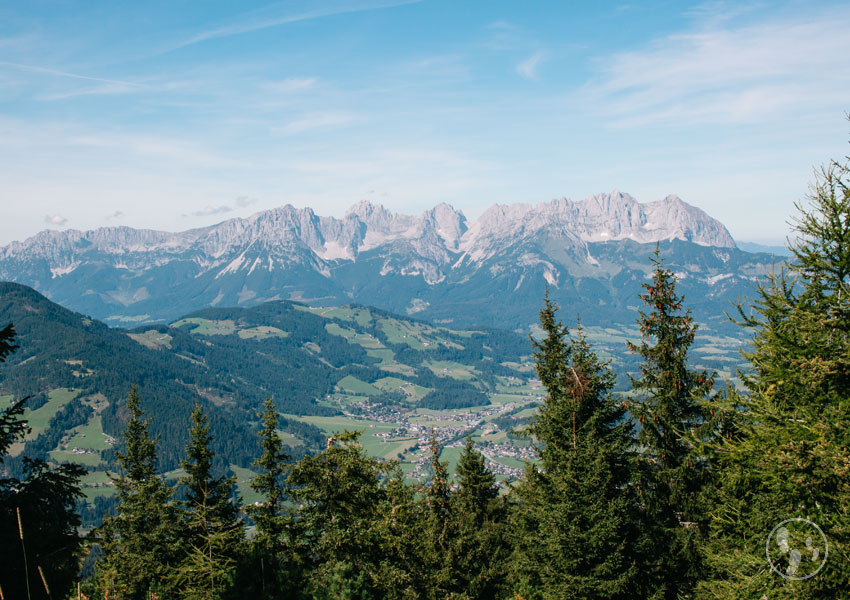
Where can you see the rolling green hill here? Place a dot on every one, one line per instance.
(317, 363)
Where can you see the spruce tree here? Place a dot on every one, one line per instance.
(342, 500)
(787, 452)
(212, 531)
(268, 557)
(140, 541)
(480, 551)
(572, 523)
(668, 401)
(440, 527)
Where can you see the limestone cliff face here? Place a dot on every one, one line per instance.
(370, 255)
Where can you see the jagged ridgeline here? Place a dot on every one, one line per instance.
(79, 371)
(436, 266)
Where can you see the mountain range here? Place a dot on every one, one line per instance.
(591, 254)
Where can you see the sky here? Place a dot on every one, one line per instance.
(179, 114)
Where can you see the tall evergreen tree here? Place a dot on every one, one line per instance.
(39, 535)
(440, 528)
(668, 401)
(212, 531)
(480, 552)
(268, 557)
(786, 453)
(573, 517)
(140, 540)
(342, 498)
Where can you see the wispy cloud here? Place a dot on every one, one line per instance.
(210, 210)
(529, 67)
(244, 201)
(57, 73)
(282, 13)
(728, 75)
(115, 215)
(55, 219)
(318, 120)
(291, 85)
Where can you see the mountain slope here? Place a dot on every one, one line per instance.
(311, 361)
(435, 265)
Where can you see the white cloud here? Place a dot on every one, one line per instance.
(729, 75)
(116, 215)
(55, 219)
(211, 210)
(317, 120)
(291, 85)
(528, 68)
(243, 201)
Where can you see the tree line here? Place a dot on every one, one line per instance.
(672, 490)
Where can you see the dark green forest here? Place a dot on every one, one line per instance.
(670, 489)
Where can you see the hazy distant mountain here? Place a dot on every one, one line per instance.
(592, 254)
(767, 248)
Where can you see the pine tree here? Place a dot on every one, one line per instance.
(440, 528)
(269, 557)
(572, 524)
(342, 500)
(787, 451)
(140, 540)
(668, 402)
(480, 552)
(212, 531)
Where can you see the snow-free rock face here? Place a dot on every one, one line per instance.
(371, 255)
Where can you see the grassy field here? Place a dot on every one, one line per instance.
(444, 368)
(350, 383)
(361, 316)
(89, 436)
(89, 459)
(207, 327)
(388, 362)
(262, 332)
(39, 419)
(97, 483)
(152, 339)
(414, 392)
(243, 485)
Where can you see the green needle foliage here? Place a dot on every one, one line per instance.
(785, 451)
(212, 532)
(440, 527)
(341, 496)
(268, 557)
(36, 513)
(140, 541)
(668, 403)
(480, 551)
(573, 526)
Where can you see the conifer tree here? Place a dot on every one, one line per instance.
(787, 453)
(480, 552)
(668, 402)
(440, 528)
(140, 540)
(212, 531)
(573, 520)
(38, 520)
(342, 501)
(268, 548)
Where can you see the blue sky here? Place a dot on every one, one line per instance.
(179, 114)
